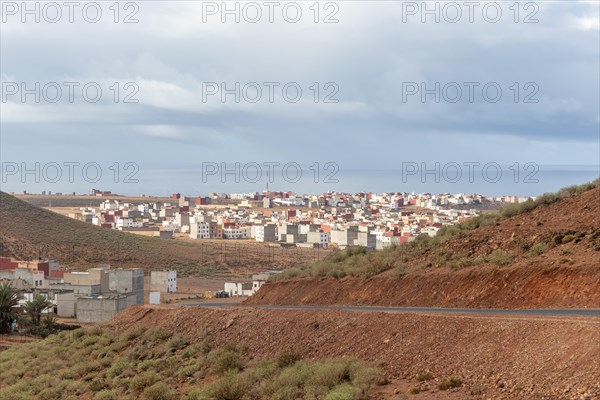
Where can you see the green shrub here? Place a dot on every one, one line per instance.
(501, 258)
(288, 357)
(546, 199)
(537, 249)
(134, 333)
(264, 370)
(232, 386)
(187, 371)
(143, 381)
(157, 334)
(119, 346)
(118, 367)
(224, 360)
(449, 383)
(331, 373)
(50, 394)
(424, 376)
(196, 394)
(177, 342)
(204, 347)
(344, 392)
(159, 391)
(287, 393)
(523, 243)
(416, 390)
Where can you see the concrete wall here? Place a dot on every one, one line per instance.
(270, 233)
(78, 278)
(344, 237)
(79, 290)
(94, 309)
(19, 284)
(93, 276)
(35, 279)
(65, 303)
(340, 237)
(366, 240)
(163, 281)
(261, 277)
(154, 298)
(127, 281)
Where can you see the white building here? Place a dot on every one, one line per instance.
(109, 205)
(200, 230)
(265, 233)
(170, 225)
(235, 289)
(127, 223)
(240, 232)
(290, 201)
(256, 285)
(321, 238)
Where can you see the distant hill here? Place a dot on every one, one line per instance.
(537, 254)
(28, 232)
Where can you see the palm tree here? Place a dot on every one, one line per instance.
(35, 307)
(9, 298)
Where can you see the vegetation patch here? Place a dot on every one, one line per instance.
(449, 383)
(156, 365)
(501, 258)
(537, 249)
(425, 376)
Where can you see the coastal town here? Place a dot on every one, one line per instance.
(332, 219)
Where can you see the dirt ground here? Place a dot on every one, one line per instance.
(498, 356)
(477, 287)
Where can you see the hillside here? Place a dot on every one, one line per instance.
(544, 255)
(194, 353)
(153, 363)
(28, 232)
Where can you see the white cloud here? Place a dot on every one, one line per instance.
(369, 54)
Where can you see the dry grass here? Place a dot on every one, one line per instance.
(155, 365)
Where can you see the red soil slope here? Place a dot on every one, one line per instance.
(505, 357)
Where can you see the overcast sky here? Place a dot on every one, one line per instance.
(372, 63)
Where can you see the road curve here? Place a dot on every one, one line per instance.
(495, 311)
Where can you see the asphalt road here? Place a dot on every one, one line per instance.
(542, 312)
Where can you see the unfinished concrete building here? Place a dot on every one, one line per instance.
(103, 308)
(93, 276)
(123, 281)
